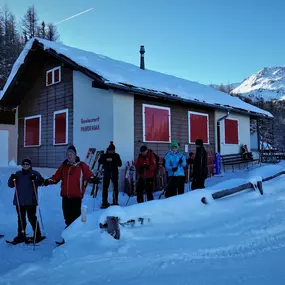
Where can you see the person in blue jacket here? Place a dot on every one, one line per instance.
(174, 163)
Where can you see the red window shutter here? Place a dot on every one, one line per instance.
(60, 128)
(56, 75)
(198, 128)
(231, 131)
(49, 77)
(32, 132)
(156, 124)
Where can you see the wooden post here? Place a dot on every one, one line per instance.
(113, 227)
(260, 188)
(231, 191)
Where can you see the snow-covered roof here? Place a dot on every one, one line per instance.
(122, 73)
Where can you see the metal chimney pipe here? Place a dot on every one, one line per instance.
(142, 51)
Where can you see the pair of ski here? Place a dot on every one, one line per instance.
(112, 225)
(29, 240)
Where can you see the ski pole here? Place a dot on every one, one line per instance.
(163, 193)
(35, 191)
(19, 208)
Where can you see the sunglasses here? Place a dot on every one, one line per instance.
(26, 164)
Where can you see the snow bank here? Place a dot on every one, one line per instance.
(118, 72)
(265, 171)
(234, 241)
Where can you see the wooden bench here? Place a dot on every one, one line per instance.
(238, 159)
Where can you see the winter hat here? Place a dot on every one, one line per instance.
(199, 142)
(143, 148)
(174, 144)
(72, 149)
(26, 160)
(111, 146)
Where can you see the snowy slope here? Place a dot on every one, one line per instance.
(118, 72)
(235, 240)
(268, 83)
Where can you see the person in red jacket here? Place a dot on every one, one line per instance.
(72, 173)
(146, 168)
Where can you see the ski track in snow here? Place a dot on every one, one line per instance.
(235, 240)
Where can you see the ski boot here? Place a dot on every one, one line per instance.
(20, 238)
(105, 205)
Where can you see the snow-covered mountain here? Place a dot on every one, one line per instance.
(268, 83)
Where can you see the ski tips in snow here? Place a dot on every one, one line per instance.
(204, 201)
(1, 236)
(59, 243)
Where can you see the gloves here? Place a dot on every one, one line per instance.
(174, 169)
(45, 182)
(95, 180)
(146, 166)
(13, 176)
(141, 170)
(41, 181)
(180, 160)
(33, 177)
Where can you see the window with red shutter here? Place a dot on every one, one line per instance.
(60, 127)
(156, 124)
(32, 131)
(56, 75)
(53, 76)
(198, 127)
(49, 77)
(231, 131)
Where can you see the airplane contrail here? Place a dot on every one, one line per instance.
(76, 15)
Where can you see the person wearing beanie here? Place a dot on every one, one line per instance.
(146, 168)
(72, 173)
(200, 166)
(26, 182)
(111, 161)
(174, 164)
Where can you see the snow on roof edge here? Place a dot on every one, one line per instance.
(61, 50)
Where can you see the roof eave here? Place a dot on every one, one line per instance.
(175, 98)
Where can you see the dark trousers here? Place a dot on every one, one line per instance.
(144, 185)
(198, 183)
(106, 184)
(175, 186)
(30, 211)
(71, 208)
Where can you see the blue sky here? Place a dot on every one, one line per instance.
(209, 41)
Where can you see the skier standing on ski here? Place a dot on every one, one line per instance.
(200, 166)
(146, 169)
(174, 164)
(25, 182)
(110, 161)
(72, 173)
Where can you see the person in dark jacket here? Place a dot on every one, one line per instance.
(110, 161)
(200, 166)
(26, 183)
(146, 168)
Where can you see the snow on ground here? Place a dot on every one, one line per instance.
(239, 239)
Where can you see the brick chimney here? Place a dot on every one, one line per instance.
(142, 51)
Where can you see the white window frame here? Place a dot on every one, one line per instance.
(66, 132)
(232, 119)
(40, 130)
(169, 122)
(189, 126)
(52, 72)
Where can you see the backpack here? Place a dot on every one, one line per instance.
(157, 158)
